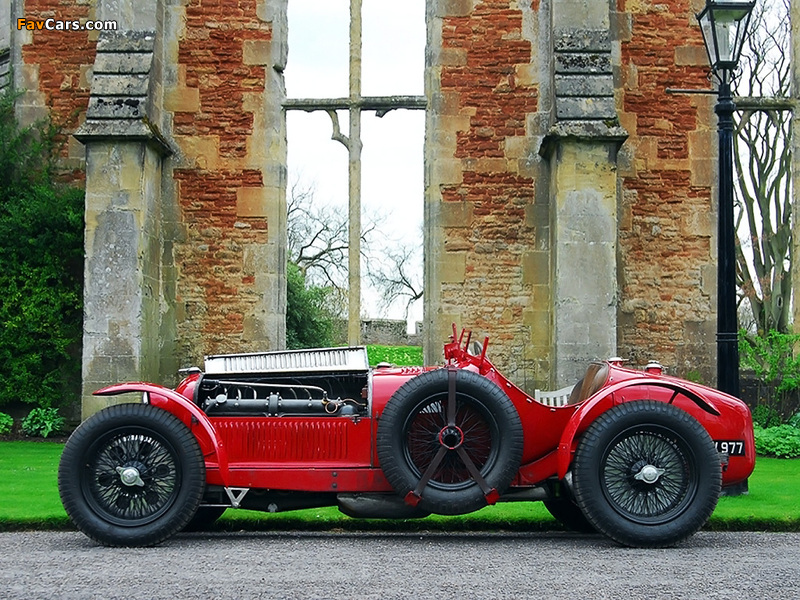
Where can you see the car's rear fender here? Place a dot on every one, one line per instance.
(184, 409)
(609, 397)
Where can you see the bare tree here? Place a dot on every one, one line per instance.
(318, 245)
(317, 237)
(397, 275)
(762, 157)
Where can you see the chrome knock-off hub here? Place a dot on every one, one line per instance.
(649, 474)
(130, 476)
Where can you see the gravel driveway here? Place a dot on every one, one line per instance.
(740, 566)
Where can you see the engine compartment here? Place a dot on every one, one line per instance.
(324, 382)
(324, 394)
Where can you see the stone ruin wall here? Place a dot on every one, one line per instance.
(492, 247)
(225, 93)
(488, 233)
(54, 71)
(667, 224)
(491, 201)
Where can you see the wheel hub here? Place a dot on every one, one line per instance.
(451, 437)
(649, 474)
(130, 477)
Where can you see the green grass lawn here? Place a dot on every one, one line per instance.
(28, 486)
(29, 500)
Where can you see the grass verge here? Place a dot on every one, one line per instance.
(29, 500)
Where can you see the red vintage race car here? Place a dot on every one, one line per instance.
(638, 456)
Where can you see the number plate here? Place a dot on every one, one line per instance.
(730, 447)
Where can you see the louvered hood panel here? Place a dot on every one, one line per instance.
(294, 440)
(317, 360)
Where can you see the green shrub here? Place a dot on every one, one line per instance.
(309, 322)
(782, 441)
(41, 267)
(794, 421)
(765, 416)
(42, 422)
(6, 423)
(775, 363)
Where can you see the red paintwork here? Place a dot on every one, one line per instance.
(337, 454)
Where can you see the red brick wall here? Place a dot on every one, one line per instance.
(63, 59)
(497, 191)
(667, 214)
(215, 295)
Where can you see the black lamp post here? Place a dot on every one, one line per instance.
(724, 25)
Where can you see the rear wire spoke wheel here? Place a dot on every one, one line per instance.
(646, 474)
(450, 443)
(131, 475)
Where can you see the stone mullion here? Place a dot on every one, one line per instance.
(355, 104)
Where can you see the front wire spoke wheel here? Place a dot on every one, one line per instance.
(646, 474)
(135, 477)
(131, 475)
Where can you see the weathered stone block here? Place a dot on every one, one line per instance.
(583, 85)
(539, 323)
(519, 147)
(126, 41)
(621, 26)
(251, 202)
(527, 75)
(116, 107)
(257, 52)
(454, 122)
(491, 165)
(456, 214)
(580, 15)
(120, 85)
(452, 267)
(182, 100)
(453, 57)
(585, 108)
(201, 150)
(452, 8)
(582, 40)
(446, 171)
(694, 56)
(581, 62)
(123, 63)
(536, 267)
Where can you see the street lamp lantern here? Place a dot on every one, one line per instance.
(724, 25)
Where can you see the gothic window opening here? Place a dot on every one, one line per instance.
(355, 128)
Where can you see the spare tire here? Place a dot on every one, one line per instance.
(457, 428)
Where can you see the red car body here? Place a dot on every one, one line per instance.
(305, 433)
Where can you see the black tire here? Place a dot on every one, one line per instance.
(414, 427)
(566, 512)
(204, 518)
(646, 474)
(131, 475)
